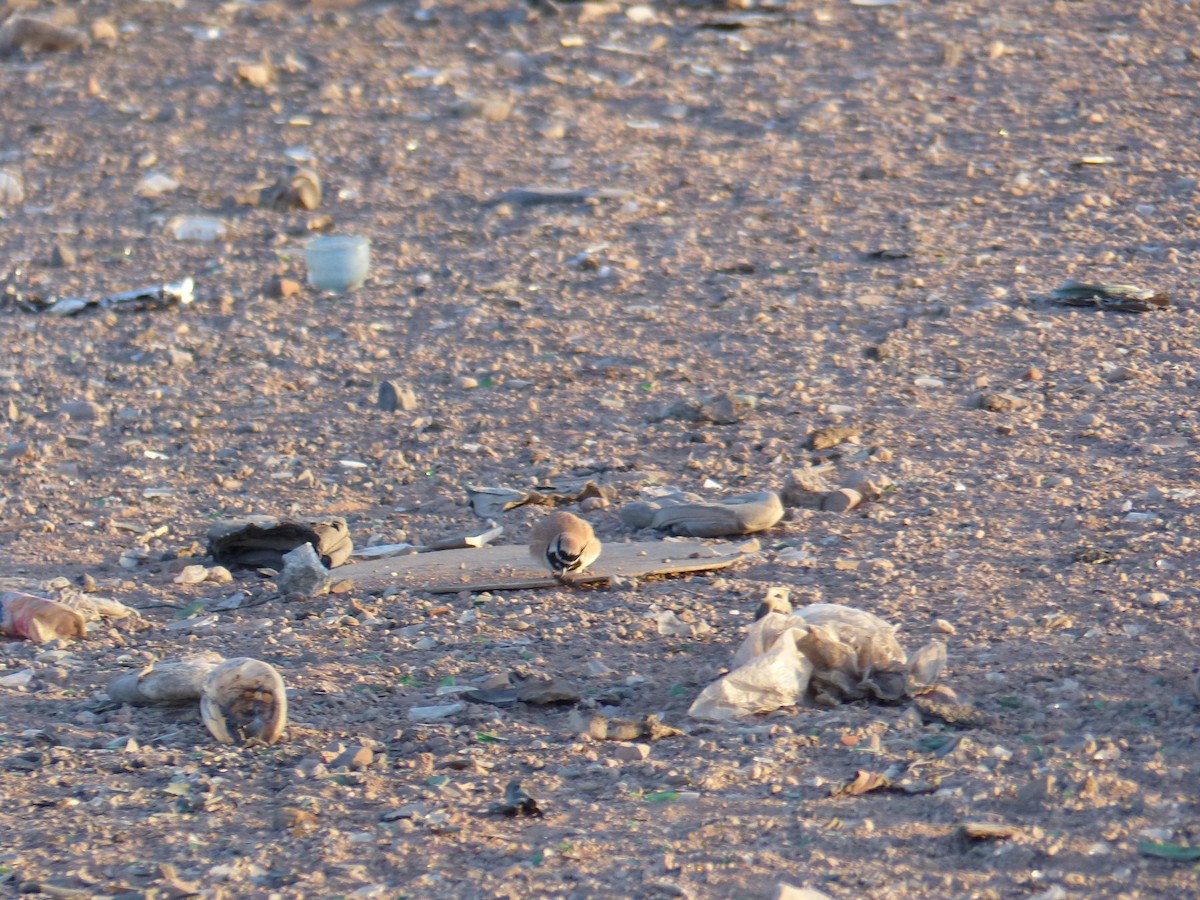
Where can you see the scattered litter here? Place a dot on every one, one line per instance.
(338, 262)
(826, 652)
(201, 229)
(466, 541)
(166, 683)
(1118, 297)
(382, 551)
(516, 803)
(261, 541)
(489, 502)
(541, 196)
(37, 619)
(1163, 850)
(433, 713)
(164, 296)
(244, 701)
(690, 515)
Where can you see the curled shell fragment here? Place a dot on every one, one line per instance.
(244, 701)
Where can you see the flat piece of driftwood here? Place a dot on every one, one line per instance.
(510, 568)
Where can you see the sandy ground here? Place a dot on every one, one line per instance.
(747, 179)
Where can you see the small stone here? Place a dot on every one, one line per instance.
(18, 680)
(831, 436)
(1155, 599)
(944, 627)
(929, 382)
(546, 691)
(192, 575)
(595, 668)
(104, 31)
(1001, 402)
(495, 110)
(62, 256)
(1033, 373)
(631, 752)
(641, 15)
(354, 757)
(805, 488)
(394, 395)
(154, 184)
(257, 74)
(841, 500)
(82, 410)
(303, 573)
(284, 288)
(12, 188)
(785, 891)
(467, 383)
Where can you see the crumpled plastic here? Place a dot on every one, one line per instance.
(825, 653)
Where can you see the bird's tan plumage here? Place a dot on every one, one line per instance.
(564, 543)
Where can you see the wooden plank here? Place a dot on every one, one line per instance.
(510, 568)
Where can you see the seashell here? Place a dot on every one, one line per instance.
(244, 701)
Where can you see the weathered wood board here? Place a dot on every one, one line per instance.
(510, 568)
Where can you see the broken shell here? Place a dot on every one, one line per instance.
(244, 701)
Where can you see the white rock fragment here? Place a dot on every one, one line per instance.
(154, 184)
(433, 713)
(12, 188)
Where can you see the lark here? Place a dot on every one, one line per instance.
(565, 544)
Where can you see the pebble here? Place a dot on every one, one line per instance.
(631, 752)
(784, 891)
(192, 575)
(394, 395)
(303, 573)
(18, 680)
(12, 188)
(104, 31)
(155, 184)
(1001, 402)
(841, 500)
(944, 627)
(354, 757)
(82, 410)
(62, 256)
(929, 382)
(641, 15)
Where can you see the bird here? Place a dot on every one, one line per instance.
(565, 544)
